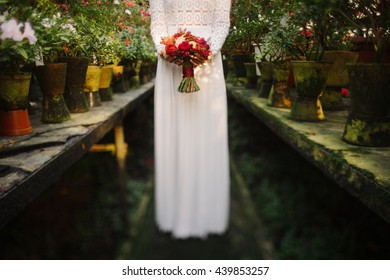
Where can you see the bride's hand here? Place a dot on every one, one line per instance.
(172, 60)
(196, 61)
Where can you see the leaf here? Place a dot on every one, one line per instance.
(23, 53)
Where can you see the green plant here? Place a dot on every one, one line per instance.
(52, 29)
(283, 39)
(17, 39)
(322, 27)
(247, 27)
(369, 19)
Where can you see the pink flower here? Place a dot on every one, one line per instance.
(29, 33)
(11, 30)
(130, 4)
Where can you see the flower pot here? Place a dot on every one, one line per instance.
(15, 122)
(146, 72)
(251, 75)
(76, 72)
(266, 78)
(331, 98)
(14, 89)
(279, 96)
(135, 80)
(91, 85)
(51, 79)
(105, 90)
(238, 64)
(310, 78)
(119, 84)
(366, 50)
(368, 122)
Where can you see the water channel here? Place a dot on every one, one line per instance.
(281, 207)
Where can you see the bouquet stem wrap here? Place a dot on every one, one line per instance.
(188, 82)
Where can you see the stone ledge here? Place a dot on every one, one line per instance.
(30, 163)
(363, 171)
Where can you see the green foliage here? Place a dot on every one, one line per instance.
(246, 27)
(369, 19)
(18, 46)
(53, 29)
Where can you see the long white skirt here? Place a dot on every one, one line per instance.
(191, 151)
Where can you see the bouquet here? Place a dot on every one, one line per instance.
(186, 50)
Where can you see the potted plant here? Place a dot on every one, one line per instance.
(246, 29)
(73, 53)
(316, 27)
(275, 53)
(140, 56)
(17, 50)
(52, 33)
(368, 122)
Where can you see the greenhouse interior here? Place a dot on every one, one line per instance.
(194, 130)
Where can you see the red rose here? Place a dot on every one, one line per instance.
(170, 50)
(184, 46)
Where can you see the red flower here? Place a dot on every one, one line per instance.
(127, 42)
(184, 46)
(170, 49)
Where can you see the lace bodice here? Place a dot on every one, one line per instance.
(169, 15)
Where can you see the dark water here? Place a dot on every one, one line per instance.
(281, 207)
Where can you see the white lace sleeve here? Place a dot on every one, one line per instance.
(221, 25)
(158, 26)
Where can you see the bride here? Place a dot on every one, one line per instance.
(191, 143)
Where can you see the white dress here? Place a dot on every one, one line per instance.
(191, 141)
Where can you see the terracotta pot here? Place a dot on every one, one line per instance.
(279, 96)
(76, 72)
(91, 85)
(310, 78)
(51, 79)
(14, 89)
(15, 123)
(368, 123)
(105, 90)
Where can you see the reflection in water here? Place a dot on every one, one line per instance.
(281, 207)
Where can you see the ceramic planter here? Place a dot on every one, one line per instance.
(368, 123)
(14, 89)
(51, 79)
(76, 72)
(119, 84)
(135, 80)
(91, 85)
(105, 90)
(238, 64)
(279, 96)
(338, 78)
(266, 78)
(14, 118)
(310, 78)
(251, 75)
